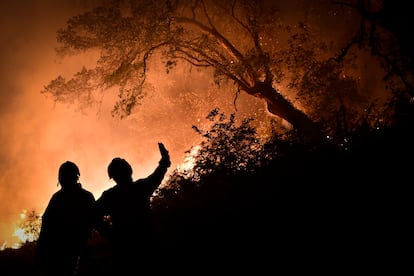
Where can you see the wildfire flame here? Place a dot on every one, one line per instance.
(27, 230)
(189, 160)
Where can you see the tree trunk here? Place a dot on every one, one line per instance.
(281, 107)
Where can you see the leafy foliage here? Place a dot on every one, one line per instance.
(227, 147)
(252, 45)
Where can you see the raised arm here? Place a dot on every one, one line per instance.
(153, 181)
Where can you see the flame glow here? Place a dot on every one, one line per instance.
(27, 230)
(189, 160)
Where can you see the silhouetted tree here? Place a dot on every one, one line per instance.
(249, 43)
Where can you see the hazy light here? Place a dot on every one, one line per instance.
(189, 160)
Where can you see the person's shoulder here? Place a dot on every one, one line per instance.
(87, 193)
(109, 192)
(138, 181)
(57, 194)
(58, 197)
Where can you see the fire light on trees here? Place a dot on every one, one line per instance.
(303, 64)
(26, 230)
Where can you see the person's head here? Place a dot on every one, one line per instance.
(68, 174)
(120, 170)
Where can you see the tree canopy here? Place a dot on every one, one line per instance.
(325, 67)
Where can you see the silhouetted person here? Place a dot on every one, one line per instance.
(67, 224)
(127, 207)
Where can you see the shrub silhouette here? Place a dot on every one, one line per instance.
(245, 197)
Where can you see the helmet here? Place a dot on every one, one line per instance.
(119, 169)
(68, 173)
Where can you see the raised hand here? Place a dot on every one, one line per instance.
(165, 156)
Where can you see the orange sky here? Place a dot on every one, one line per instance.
(37, 135)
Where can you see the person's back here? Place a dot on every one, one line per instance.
(128, 206)
(66, 225)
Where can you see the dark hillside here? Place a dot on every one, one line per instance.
(321, 208)
(18, 261)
